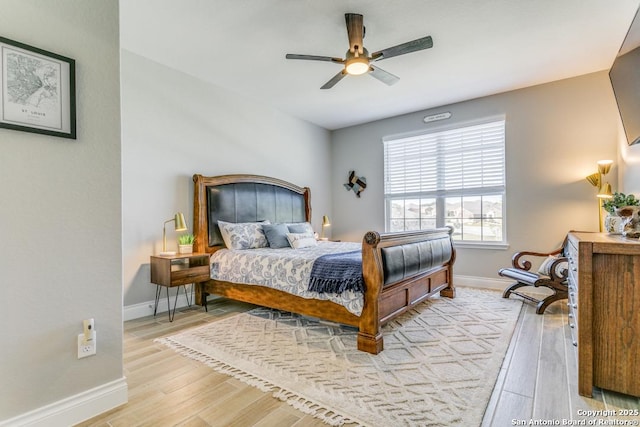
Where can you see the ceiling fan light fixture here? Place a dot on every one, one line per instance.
(357, 66)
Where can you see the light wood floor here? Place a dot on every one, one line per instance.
(537, 380)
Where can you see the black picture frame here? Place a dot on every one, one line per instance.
(37, 90)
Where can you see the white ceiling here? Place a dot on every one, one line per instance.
(481, 47)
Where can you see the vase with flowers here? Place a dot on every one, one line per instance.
(613, 221)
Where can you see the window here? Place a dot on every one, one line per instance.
(453, 177)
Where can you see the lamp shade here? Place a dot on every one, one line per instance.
(325, 223)
(594, 179)
(605, 192)
(181, 225)
(604, 166)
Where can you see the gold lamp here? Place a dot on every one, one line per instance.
(604, 188)
(180, 225)
(325, 223)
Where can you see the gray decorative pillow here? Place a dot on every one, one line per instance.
(243, 235)
(300, 227)
(301, 240)
(276, 235)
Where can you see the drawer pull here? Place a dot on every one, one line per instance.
(575, 343)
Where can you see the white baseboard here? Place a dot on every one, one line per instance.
(494, 283)
(74, 409)
(497, 284)
(143, 309)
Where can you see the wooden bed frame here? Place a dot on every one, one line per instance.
(393, 282)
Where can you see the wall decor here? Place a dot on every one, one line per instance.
(38, 91)
(357, 184)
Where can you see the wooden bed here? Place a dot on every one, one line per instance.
(400, 269)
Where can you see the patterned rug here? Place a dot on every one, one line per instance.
(438, 368)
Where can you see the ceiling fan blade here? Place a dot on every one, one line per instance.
(355, 31)
(315, 58)
(335, 79)
(401, 49)
(384, 76)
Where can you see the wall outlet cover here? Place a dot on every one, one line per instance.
(86, 347)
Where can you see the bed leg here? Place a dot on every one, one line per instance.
(201, 295)
(370, 343)
(449, 292)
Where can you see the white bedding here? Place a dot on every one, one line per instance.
(285, 269)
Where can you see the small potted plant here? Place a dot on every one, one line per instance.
(185, 243)
(619, 200)
(613, 221)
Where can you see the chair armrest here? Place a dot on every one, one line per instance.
(564, 272)
(526, 264)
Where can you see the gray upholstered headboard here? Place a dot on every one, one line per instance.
(244, 198)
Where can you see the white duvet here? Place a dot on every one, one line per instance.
(285, 269)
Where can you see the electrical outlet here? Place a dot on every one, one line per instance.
(86, 347)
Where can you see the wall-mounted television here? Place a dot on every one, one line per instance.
(625, 79)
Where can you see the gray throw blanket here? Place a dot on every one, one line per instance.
(337, 273)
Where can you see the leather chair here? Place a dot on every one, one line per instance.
(552, 274)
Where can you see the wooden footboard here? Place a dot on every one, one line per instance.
(401, 270)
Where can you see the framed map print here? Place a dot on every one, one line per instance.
(38, 92)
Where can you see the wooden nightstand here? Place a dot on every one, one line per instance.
(177, 270)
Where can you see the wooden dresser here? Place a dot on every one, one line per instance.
(604, 311)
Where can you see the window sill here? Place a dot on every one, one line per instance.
(480, 245)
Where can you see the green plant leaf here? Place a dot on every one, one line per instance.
(186, 239)
(619, 200)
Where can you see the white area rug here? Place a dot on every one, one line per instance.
(438, 368)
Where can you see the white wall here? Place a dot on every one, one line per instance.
(555, 133)
(60, 227)
(175, 125)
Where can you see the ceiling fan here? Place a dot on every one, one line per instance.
(357, 60)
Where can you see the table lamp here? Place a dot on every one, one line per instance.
(180, 225)
(325, 223)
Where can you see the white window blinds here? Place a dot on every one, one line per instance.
(462, 161)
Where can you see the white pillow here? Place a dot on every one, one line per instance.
(545, 267)
(301, 240)
(243, 235)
